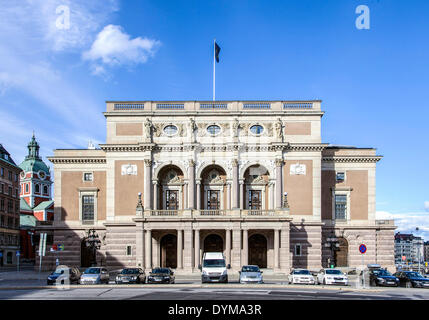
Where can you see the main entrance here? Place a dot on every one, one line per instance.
(258, 250)
(169, 251)
(87, 257)
(213, 243)
(341, 255)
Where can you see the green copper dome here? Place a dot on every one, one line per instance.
(32, 161)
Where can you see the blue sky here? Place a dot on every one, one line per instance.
(373, 83)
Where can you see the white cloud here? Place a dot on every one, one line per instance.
(427, 205)
(407, 222)
(115, 47)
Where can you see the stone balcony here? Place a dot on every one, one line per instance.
(214, 214)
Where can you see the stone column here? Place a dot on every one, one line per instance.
(148, 251)
(279, 163)
(185, 196)
(198, 195)
(284, 248)
(236, 249)
(197, 248)
(245, 247)
(156, 253)
(155, 195)
(235, 195)
(228, 246)
(276, 249)
(147, 184)
(271, 191)
(179, 249)
(187, 252)
(228, 196)
(241, 195)
(191, 184)
(140, 244)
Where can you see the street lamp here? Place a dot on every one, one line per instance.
(332, 244)
(93, 243)
(285, 202)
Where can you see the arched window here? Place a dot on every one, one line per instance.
(37, 188)
(45, 190)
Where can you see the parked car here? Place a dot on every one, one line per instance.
(161, 275)
(413, 279)
(301, 276)
(382, 277)
(64, 275)
(332, 276)
(250, 274)
(131, 275)
(95, 275)
(214, 268)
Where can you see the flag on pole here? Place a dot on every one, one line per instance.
(217, 50)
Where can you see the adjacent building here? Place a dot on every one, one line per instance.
(35, 198)
(9, 209)
(251, 179)
(409, 249)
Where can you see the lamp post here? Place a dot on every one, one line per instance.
(285, 202)
(418, 248)
(332, 244)
(93, 243)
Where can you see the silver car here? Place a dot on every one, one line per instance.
(251, 274)
(95, 275)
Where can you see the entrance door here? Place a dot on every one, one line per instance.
(255, 199)
(169, 251)
(213, 243)
(258, 250)
(342, 253)
(86, 255)
(213, 200)
(172, 200)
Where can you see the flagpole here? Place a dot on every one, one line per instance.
(214, 69)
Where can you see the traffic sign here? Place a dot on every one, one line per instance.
(1, 254)
(362, 248)
(60, 247)
(18, 253)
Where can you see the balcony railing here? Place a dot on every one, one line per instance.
(253, 212)
(164, 212)
(212, 212)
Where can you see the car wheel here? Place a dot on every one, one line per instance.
(324, 282)
(408, 284)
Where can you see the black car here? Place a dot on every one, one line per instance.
(382, 277)
(161, 275)
(413, 279)
(131, 275)
(64, 275)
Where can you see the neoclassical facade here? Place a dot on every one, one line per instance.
(251, 179)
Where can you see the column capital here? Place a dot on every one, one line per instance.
(148, 162)
(234, 162)
(191, 163)
(155, 182)
(279, 162)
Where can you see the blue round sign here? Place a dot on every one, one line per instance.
(362, 248)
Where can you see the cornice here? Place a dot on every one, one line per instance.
(351, 159)
(60, 160)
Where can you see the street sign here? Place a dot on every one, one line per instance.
(404, 258)
(1, 254)
(60, 247)
(18, 253)
(362, 248)
(54, 247)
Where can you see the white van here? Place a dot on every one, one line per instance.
(214, 268)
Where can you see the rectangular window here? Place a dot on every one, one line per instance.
(2, 188)
(340, 207)
(10, 206)
(255, 198)
(88, 208)
(2, 221)
(129, 251)
(340, 176)
(213, 200)
(298, 250)
(2, 205)
(87, 176)
(10, 175)
(2, 172)
(16, 177)
(10, 191)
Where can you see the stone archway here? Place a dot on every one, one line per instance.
(86, 255)
(213, 243)
(168, 248)
(341, 255)
(258, 250)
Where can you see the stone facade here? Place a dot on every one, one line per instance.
(250, 179)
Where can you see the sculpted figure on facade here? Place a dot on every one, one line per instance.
(148, 128)
(192, 127)
(235, 127)
(278, 126)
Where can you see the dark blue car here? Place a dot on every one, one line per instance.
(382, 277)
(412, 279)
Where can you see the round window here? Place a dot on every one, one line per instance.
(170, 130)
(257, 129)
(213, 129)
(41, 175)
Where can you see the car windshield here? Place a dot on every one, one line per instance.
(301, 272)
(92, 271)
(130, 271)
(250, 269)
(414, 275)
(382, 273)
(60, 271)
(161, 270)
(214, 263)
(333, 272)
